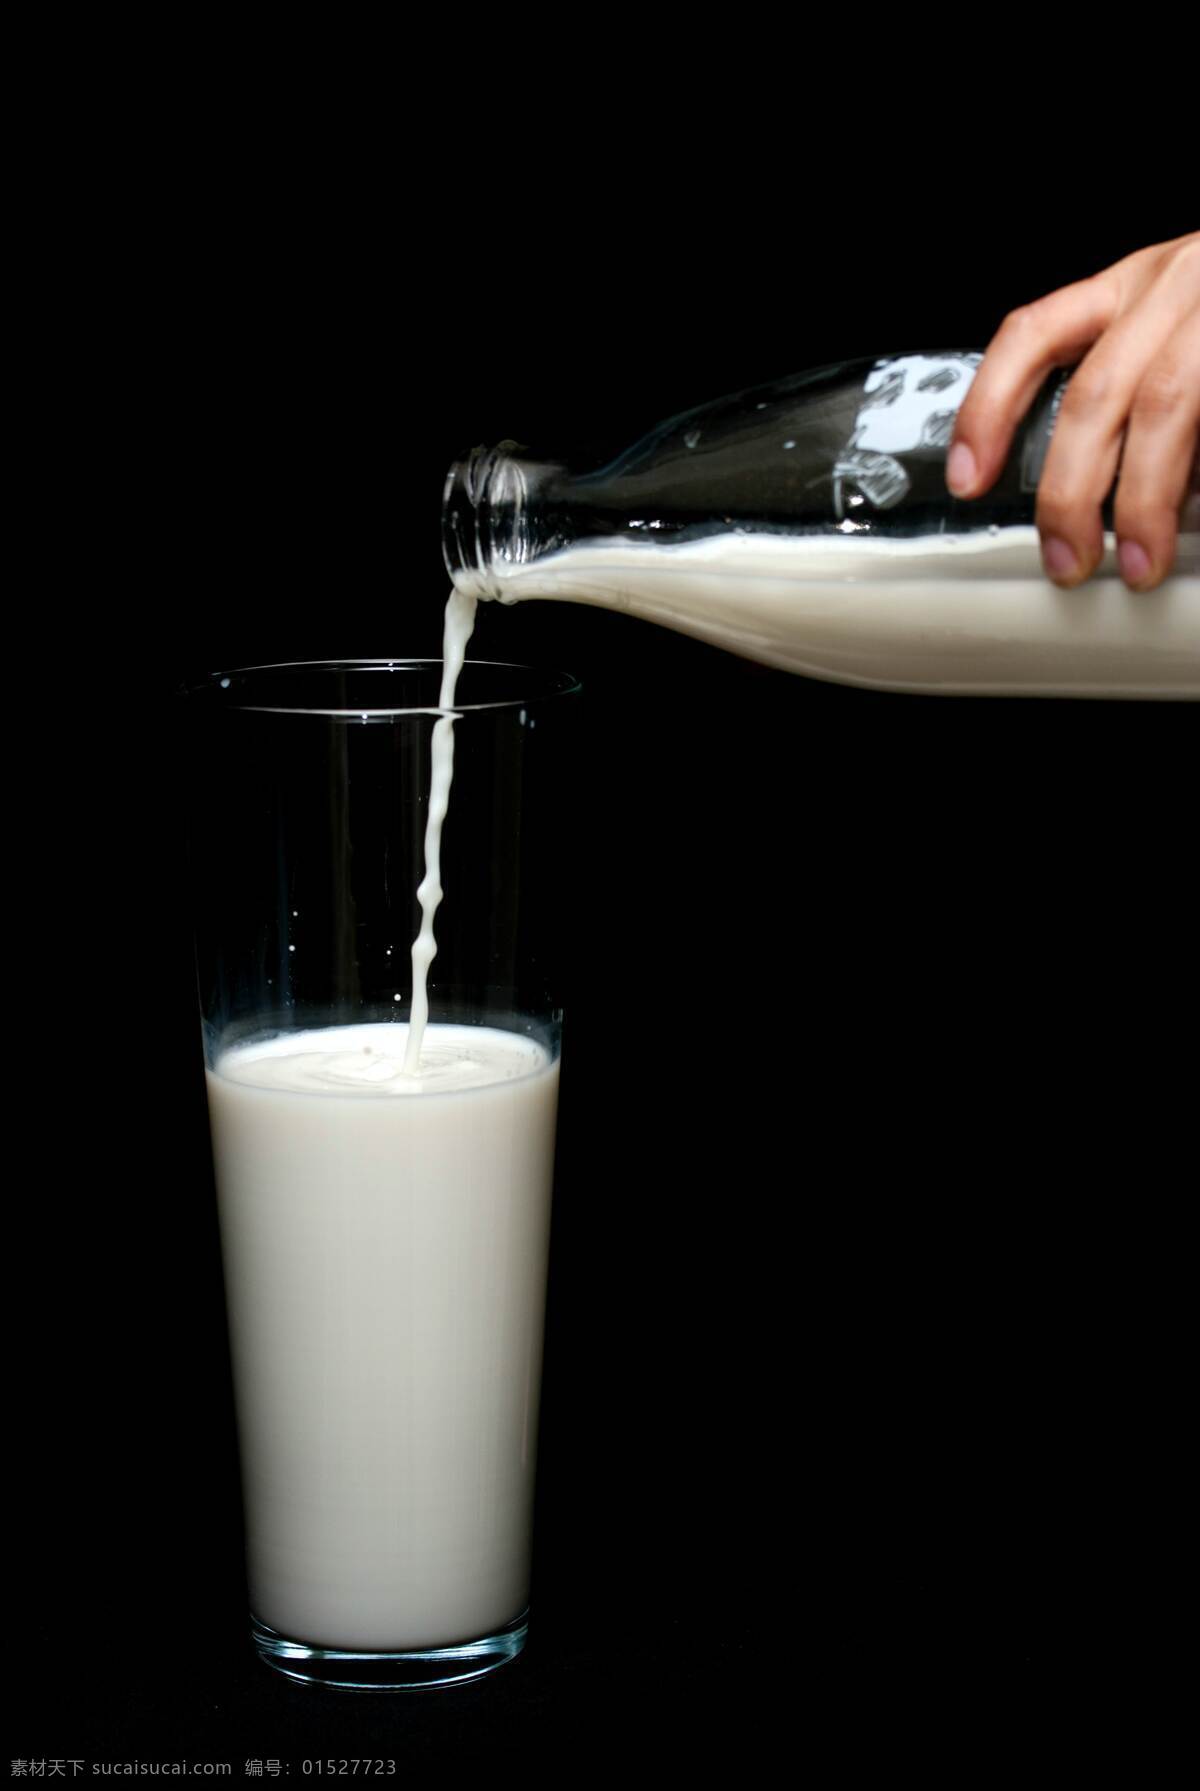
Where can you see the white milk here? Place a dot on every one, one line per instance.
(385, 1241)
(456, 632)
(947, 615)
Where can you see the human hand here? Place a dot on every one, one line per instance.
(1133, 401)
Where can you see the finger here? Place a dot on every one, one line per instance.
(1084, 454)
(1055, 331)
(1159, 462)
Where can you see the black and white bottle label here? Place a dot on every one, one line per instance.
(907, 412)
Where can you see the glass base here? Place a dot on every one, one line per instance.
(417, 1669)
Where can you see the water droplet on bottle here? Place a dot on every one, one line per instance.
(691, 438)
(789, 444)
(993, 528)
(224, 683)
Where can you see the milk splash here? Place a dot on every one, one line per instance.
(457, 629)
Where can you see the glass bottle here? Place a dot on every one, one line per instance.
(807, 524)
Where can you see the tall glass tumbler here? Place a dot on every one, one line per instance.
(384, 1235)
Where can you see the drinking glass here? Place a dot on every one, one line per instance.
(384, 1236)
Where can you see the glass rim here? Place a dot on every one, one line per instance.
(217, 685)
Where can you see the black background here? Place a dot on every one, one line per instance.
(856, 1316)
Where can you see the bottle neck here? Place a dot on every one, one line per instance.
(488, 513)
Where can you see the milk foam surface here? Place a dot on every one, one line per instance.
(385, 1241)
(371, 1060)
(940, 614)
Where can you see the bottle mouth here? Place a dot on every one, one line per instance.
(483, 515)
(462, 545)
(486, 522)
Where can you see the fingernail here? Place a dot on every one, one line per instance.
(1059, 559)
(1134, 562)
(960, 468)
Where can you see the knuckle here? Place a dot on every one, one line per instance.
(1142, 513)
(1185, 260)
(1022, 323)
(1162, 393)
(1058, 501)
(1089, 393)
